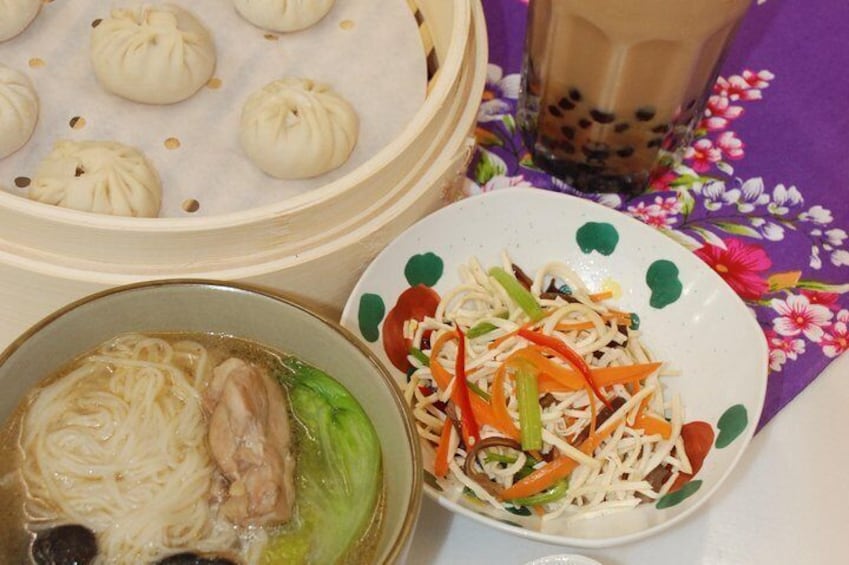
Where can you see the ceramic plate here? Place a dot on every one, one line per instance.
(688, 316)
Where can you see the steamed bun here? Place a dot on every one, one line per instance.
(16, 15)
(98, 176)
(18, 110)
(283, 15)
(295, 128)
(152, 54)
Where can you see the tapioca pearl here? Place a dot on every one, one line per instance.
(602, 117)
(96, 22)
(621, 127)
(566, 104)
(568, 132)
(22, 182)
(662, 128)
(575, 94)
(593, 150)
(625, 152)
(555, 111)
(584, 123)
(655, 142)
(566, 147)
(645, 114)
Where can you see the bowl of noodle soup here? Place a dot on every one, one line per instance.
(194, 421)
(569, 368)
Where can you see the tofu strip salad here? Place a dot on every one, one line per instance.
(539, 397)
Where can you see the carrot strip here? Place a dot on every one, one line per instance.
(486, 415)
(652, 425)
(569, 379)
(603, 295)
(460, 393)
(556, 470)
(562, 350)
(440, 464)
(440, 375)
(499, 340)
(618, 317)
(498, 401)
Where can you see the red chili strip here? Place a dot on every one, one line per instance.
(468, 424)
(568, 354)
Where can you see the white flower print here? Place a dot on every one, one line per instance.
(815, 260)
(748, 196)
(498, 88)
(783, 198)
(836, 339)
(772, 232)
(818, 215)
(840, 258)
(797, 315)
(497, 182)
(835, 236)
(777, 359)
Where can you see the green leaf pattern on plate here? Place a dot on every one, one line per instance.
(424, 269)
(597, 236)
(662, 279)
(679, 496)
(731, 424)
(369, 316)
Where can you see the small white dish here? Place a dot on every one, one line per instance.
(689, 317)
(564, 559)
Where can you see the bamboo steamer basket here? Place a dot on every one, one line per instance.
(313, 246)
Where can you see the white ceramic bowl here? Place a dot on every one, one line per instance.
(246, 312)
(706, 333)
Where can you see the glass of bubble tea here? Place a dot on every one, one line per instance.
(612, 90)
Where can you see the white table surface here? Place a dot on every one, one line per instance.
(787, 502)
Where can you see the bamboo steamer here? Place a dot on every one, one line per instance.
(314, 245)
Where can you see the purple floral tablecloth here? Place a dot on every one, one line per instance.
(762, 196)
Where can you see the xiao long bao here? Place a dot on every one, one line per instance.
(283, 15)
(16, 16)
(18, 110)
(296, 128)
(105, 177)
(152, 54)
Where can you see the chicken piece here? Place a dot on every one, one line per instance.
(249, 438)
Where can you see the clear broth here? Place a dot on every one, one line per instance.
(15, 538)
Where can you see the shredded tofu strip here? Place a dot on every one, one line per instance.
(615, 476)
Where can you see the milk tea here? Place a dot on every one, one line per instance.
(612, 89)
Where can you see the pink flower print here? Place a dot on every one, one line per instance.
(703, 154)
(669, 205)
(654, 215)
(719, 113)
(730, 145)
(835, 339)
(777, 359)
(758, 79)
(743, 87)
(662, 179)
(502, 181)
(798, 316)
(740, 265)
(782, 348)
(827, 299)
